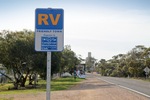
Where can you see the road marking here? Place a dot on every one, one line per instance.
(134, 91)
(107, 81)
(126, 88)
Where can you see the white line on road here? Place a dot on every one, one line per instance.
(126, 88)
(134, 91)
(107, 81)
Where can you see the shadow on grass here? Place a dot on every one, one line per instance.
(57, 84)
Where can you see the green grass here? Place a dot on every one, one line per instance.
(57, 84)
(63, 83)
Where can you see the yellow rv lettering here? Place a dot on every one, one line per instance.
(54, 21)
(42, 18)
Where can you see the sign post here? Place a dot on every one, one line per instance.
(49, 36)
(147, 70)
(48, 86)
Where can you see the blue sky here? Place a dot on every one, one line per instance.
(103, 27)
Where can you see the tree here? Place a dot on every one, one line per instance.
(131, 63)
(68, 60)
(103, 66)
(17, 53)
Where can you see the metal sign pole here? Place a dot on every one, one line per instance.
(48, 84)
(146, 74)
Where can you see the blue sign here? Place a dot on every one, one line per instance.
(49, 29)
(49, 18)
(49, 43)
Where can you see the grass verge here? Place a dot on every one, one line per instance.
(56, 85)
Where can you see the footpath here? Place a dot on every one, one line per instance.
(90, 89)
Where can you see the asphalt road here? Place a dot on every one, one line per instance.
(139, 86)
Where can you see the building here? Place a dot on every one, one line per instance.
(90, 63)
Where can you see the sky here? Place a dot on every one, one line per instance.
(103, 27)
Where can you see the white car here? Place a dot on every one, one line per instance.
(66, 74)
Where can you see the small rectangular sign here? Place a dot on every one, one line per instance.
(49, 43)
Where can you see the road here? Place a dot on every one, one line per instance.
(139, 86)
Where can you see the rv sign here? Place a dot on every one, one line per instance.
(49, 29)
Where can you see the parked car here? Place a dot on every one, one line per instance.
(66, 74)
